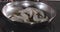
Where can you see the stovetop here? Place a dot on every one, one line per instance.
(8, 26)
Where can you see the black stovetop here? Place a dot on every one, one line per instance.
(8, 26)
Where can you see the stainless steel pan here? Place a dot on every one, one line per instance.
(12, 7)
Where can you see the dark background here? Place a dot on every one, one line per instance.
(8, 26)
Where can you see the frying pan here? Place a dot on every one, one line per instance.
(7, 12)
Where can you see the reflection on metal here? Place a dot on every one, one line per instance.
(40, 6)
(26, 4)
